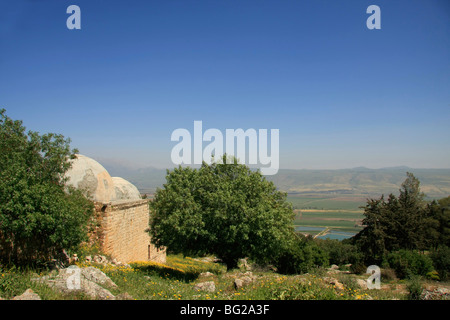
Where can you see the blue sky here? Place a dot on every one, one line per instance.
(341, 95)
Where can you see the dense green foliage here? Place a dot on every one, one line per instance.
(222, 209)
(407, 263)
(403, 222)
(441, 261)
(39, 216)
(301, 256)
(339, 252)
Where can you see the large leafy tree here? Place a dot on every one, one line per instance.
(222, 209)
(39, 215)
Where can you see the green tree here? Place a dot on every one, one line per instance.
(437, 223)
(398, 223)
(222, 209)
(39, 215)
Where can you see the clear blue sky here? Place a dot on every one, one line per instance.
(342, 95)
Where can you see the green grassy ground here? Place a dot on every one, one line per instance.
(176, 279)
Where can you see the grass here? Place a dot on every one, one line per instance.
(176, 279)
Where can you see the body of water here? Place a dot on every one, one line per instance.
(332, 234)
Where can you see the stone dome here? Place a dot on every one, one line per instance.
(91, 177)
(125, 190)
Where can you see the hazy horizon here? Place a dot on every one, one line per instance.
(114, 162)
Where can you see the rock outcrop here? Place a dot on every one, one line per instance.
(88, 280)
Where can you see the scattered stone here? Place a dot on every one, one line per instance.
(100, 259)
(243, 279)
(334, 282)
(243, 264)
(124, 296)
(238, 283)
(73, 259)
(436, 294)
(241, 282)
(29, 294)
(362, 283)
(206, 274)
(208, 286)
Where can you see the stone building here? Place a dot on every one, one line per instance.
(123, 216)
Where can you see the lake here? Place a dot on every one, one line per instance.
(332, 234)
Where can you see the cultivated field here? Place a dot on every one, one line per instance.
(330, 216)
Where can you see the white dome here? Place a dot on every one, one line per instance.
(91, 177)
(125, 190)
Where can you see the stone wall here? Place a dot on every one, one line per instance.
(122, 231)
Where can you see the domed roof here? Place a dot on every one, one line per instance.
(90, 176)
(125, 190)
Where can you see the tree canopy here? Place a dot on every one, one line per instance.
(222, 209)
(403, 222)
(39, 215)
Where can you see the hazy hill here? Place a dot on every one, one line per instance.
(434, 182)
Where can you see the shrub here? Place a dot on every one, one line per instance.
(408, 263)
(302, 256)
(441, 261)
(339, 253)
(433, 275)
(388, 274)
(358, 268)
(414, 287)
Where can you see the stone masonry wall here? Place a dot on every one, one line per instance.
(123, 234)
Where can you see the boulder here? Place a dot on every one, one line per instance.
(97, 276)
(243, 264)
(88, 280)
(243, 279)
(29, 294)
(362, 283)
(124, 296)
(208, 286)
(206, 274)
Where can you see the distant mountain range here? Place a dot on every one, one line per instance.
(435, 183)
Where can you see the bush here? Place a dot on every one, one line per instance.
(301, 257)
(388, 274)
(414, 287)
(358, 268)
(441, 261)
(408, 263)
(339, 253)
